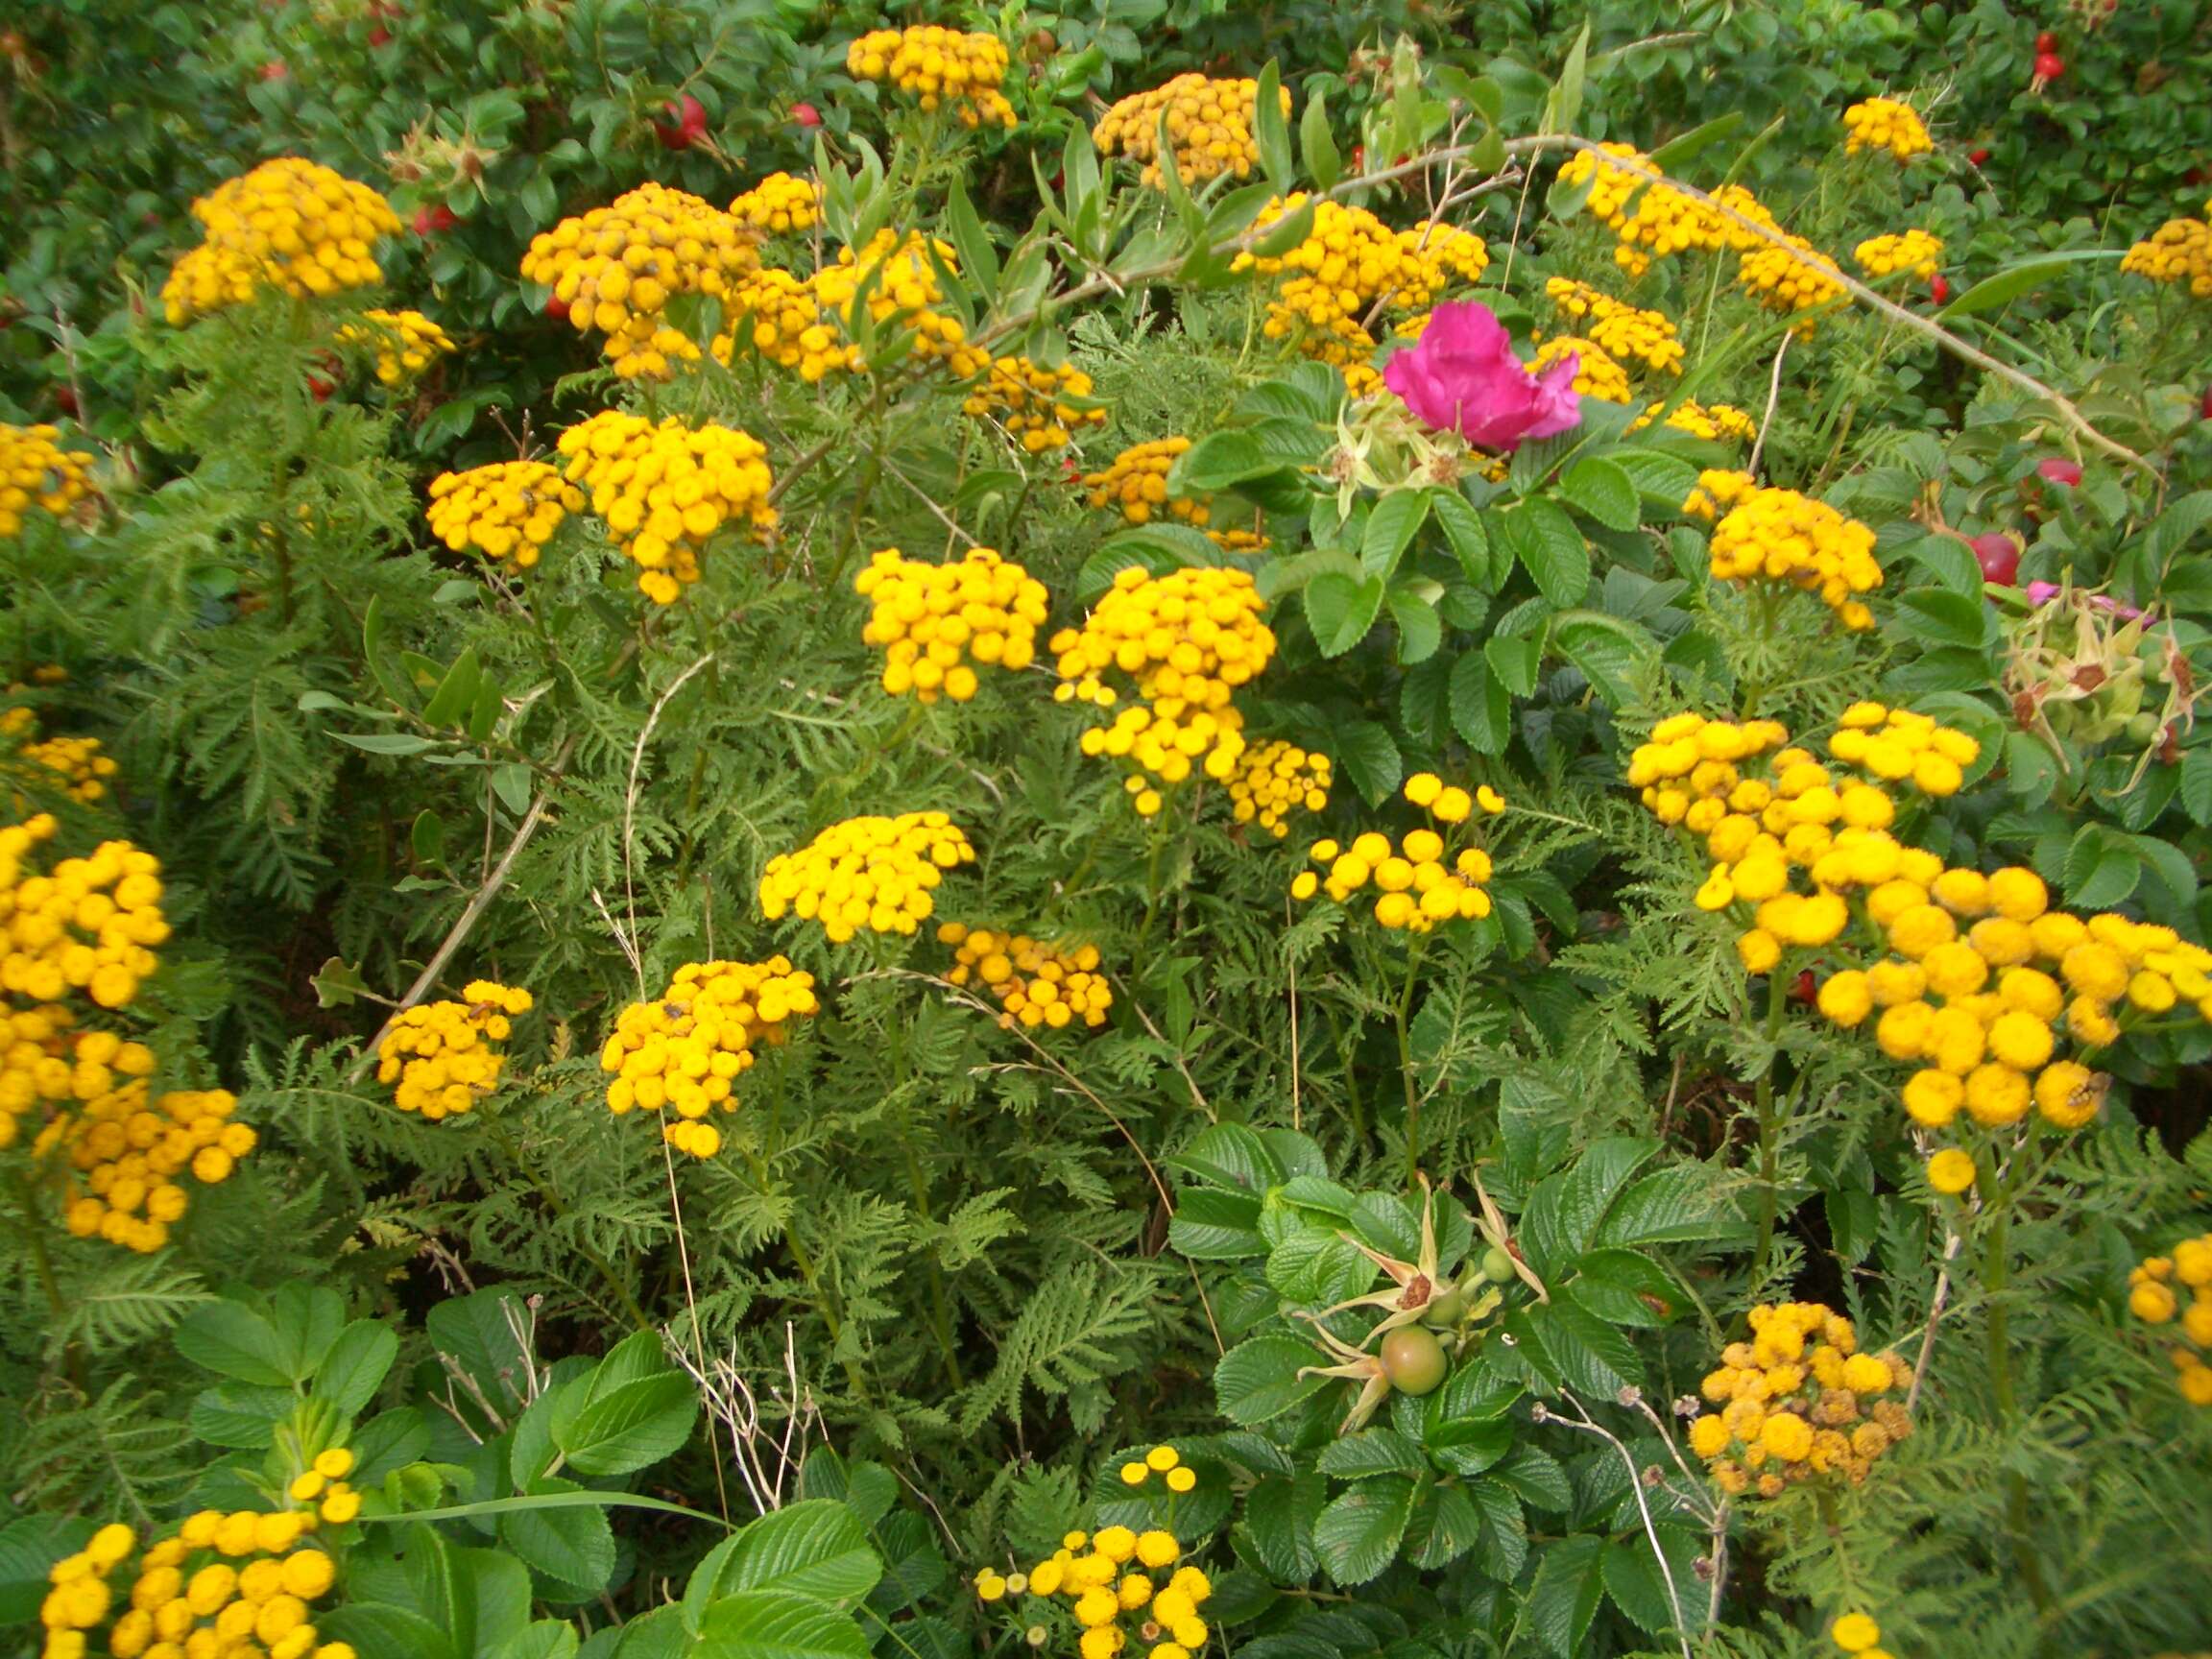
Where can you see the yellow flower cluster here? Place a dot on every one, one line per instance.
(1187, 640)
(1349, 263)
(682, 1051)
(1123, 1575)
(1979, 973)
(1780, 535)
(1209, 126)
(406, 342)
(1912, 251)
(129, 1159)
(1136, 482)
(877, 873)
(617, 268)
(1163, 1460)
(2180, 250)
(1273, 780)
(1718, 489)
(931, 618)
(1035, 404)
(1886, 123)
(1857, 1633)
(1715, 422)
(1595, 374)
(780, 205)
(1796, 1400)
(805, 325)
(665, 490)
(189, 1601)
(1664, 221)
(1618, 328)
(89, 925)
(2152, 1297)
(1417, 890)
(507, 510)
(76, 762)
(288, 225)
(944, 68)
(1038, 984)
(443, 1056)
(1793, 278)
(36, 472)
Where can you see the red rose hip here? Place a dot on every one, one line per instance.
(1998, 554)
(687, 123)
(2057, 470)
(805, 115)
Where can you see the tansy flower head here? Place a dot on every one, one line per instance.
(37, 474)
(1038, 984)
(1886, 123)
(444, 1057)
(665, 490)
(1209, 123)
(954, 70)
(875, 872)
(290, 226)
(935, 621)
(680, 1055)
(506, 511)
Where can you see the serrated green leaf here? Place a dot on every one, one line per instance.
(1356, 1535)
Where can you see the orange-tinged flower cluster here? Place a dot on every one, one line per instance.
(1187, 641)
(289, 225)
(507, 510)
(665, 490)
(234, 1585)
(1349, 265)
(1779, 536)
(1274, 780)
(1416, 887)
(780, 205)
(1797, 1402)
(951, 70)
(1135, 482)
(1797, 277)
(677, 1056)
(1618, 328)
(2179, 251)
(1038, 983)
(405, 343)
(1973, 978)
(1654, 219)
(37, 474)
(90, 926)
(1208, 128)
(1595, 374)
(1912, 251)
(444, 1057)
(1119, 1584)
(617, 268)
(934, 619)
(1886, 123)
(874, 873)
(130, 1159)
(813, 325)
(1038, 406)
(2155, 1292)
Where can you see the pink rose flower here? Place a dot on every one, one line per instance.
(2041, 593)
(1462, 376)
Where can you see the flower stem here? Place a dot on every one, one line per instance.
(1406, 1063)
(1996, 1267)
(1769, 1194)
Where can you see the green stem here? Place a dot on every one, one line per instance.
(1405, 1062)
(1770, 1189)
(824, 1302)
(1996, 1269)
